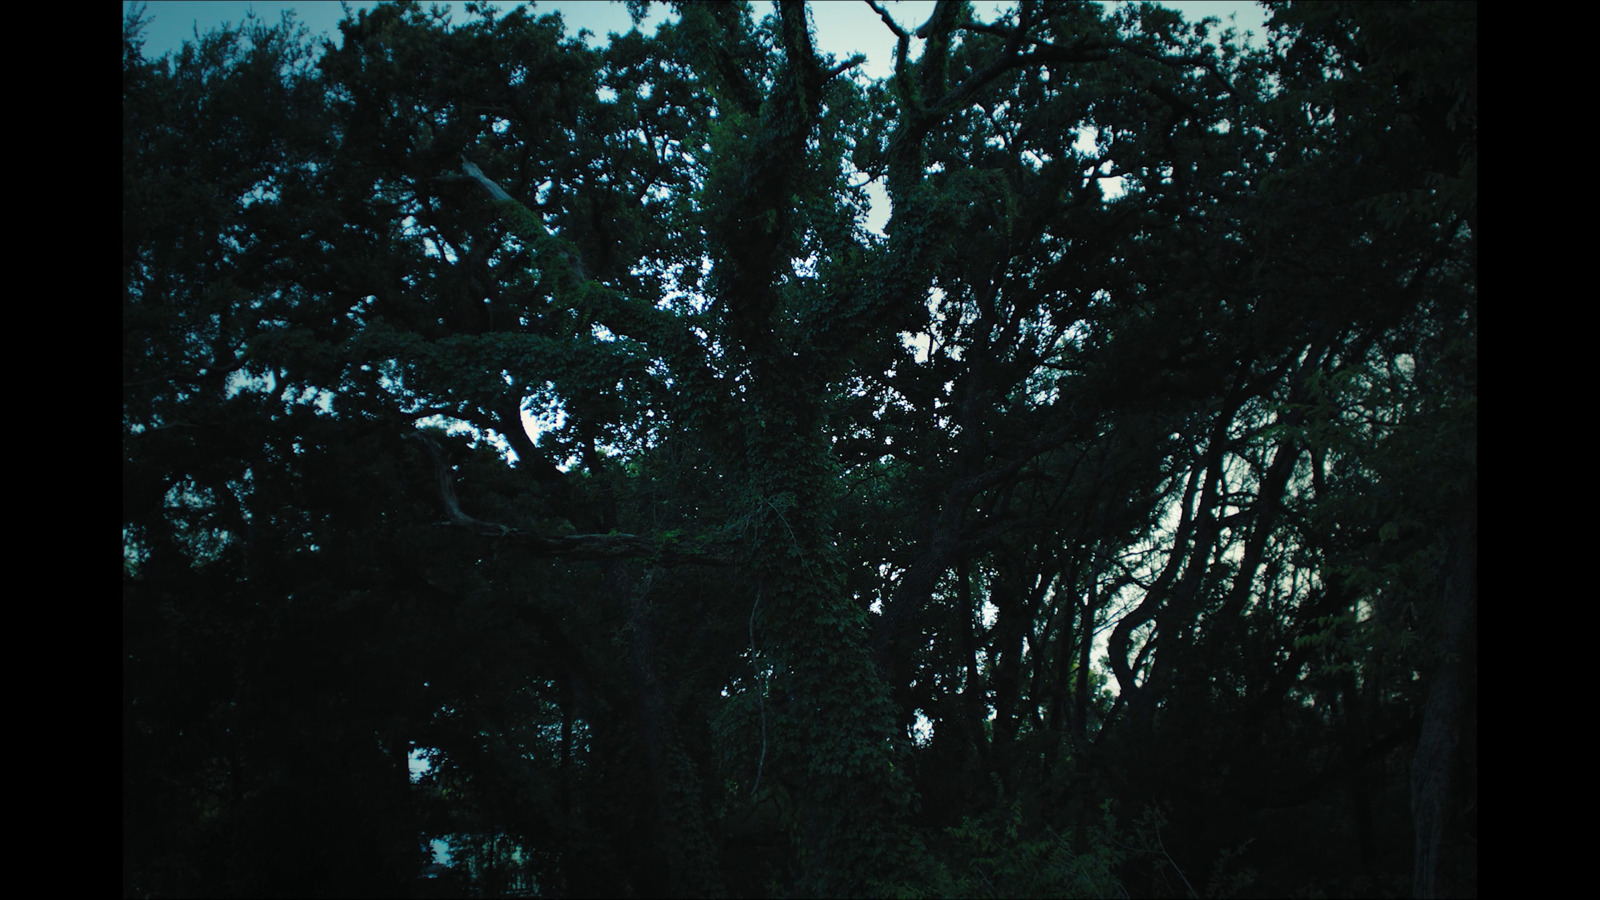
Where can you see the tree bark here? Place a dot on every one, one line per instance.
(1444, 772)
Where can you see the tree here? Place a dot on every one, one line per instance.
(836, 563)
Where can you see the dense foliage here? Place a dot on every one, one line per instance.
(1106, 525)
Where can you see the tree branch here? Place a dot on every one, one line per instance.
(573, 546)
(527, 224)
(888, 20)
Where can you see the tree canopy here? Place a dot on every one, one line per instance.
(1107, 524)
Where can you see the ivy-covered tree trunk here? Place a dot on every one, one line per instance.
(832, 745)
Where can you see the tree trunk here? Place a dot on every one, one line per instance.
(1444, 772)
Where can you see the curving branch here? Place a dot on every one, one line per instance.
(447, 489)
(572, 546)
(888, 20)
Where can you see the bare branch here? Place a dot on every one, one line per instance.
(888, 20)
(475, 173)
